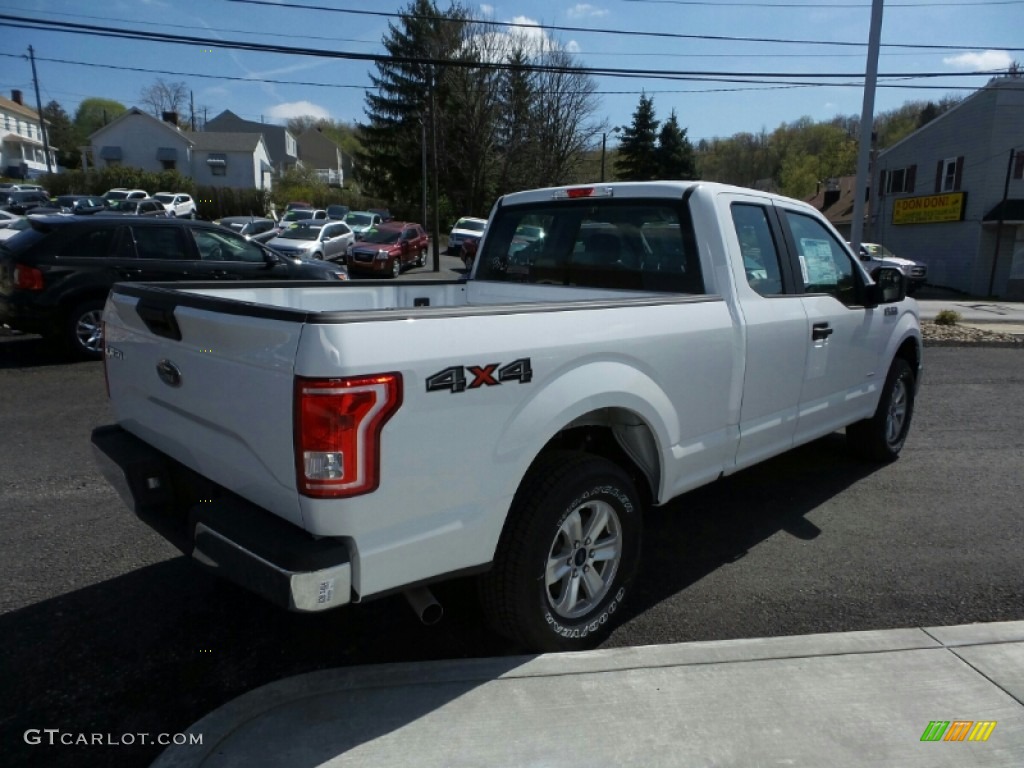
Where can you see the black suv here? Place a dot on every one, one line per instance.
(55, 276)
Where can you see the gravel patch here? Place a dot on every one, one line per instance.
(963, 336)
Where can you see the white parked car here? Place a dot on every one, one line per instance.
(121, 193)
(178, 204)
(465, 229)
(13, 227)
(330, 240)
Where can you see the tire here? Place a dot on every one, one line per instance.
(422, 260)
(881, 437)
(84, 330)
(396, 268)
(539, 593)
(318, 256)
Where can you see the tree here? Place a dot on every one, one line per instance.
(674, 154)
(636, 160)
(93, 113)
(162, 97)
(63, 135)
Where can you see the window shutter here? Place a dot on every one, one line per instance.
(1018, 165)
(911, 178)
(959, 173)
(883, 177)
(938, 178)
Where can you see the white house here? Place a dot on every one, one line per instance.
(21, 140)
(140, 140)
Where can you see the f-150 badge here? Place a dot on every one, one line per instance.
(459, 378)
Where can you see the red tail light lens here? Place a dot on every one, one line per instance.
(337, 432)
(28, 278)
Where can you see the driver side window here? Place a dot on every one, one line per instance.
(226, 246)
(825, 266)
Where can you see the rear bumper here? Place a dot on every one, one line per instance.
(238, 540)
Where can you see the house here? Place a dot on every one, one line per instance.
(280, 143)
(21, 140)
(952, 193)
(835, 200)
(140, 140)
(320, 153)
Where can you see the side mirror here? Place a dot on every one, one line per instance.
(890, 287)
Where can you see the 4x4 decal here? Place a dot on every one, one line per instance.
(454, 378)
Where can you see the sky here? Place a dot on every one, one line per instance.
(709, 41)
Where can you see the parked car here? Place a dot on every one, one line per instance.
(121, 193)
(362, 221)
(303, 214)
(14, 227)
(22, 201)
(384, 213)
(6, 217)
(9, 186)
(80, 205)
(874, 255)
(337, 212)
(466, 228)
(55, 275)
(145, 207)
(251, 227)
(329, 240)
(390, 248)
(297, 205)
(177, 204)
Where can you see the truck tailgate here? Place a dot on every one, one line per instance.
(212, 390)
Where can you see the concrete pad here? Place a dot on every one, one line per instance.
(651, 706)
(1003, 664)
(977, 634)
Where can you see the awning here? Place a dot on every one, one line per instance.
(217, 158)
(166, 153)
(1010, 211)
(14, 138)
(110, 153)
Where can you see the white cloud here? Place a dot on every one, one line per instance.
(979, 61)
(486, 10)
(296, 109)
(585, 11)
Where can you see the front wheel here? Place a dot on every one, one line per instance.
(421, 260)
(396, 267)
(881, 437)
(567, 555)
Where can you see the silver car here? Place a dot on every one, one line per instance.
(330, 240)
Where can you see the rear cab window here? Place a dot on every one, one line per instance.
(632, 244)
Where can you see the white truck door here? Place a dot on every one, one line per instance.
(845, 364)
(775, 328)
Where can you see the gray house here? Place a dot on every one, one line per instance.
(320, 153)
(940, 194)
(283, 149)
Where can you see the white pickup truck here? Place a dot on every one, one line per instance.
(323, 445)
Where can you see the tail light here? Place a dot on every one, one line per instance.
(28, 278)
(337, 432)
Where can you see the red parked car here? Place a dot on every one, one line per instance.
(389, 248)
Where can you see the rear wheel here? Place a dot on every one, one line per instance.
(84, 330)
(881, 437)
(396, 267)
(421, 260)
(567, 555)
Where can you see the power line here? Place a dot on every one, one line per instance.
(605, 31)
(825, 6)
(388, 60)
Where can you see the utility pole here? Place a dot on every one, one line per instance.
(39, 106)
(192, 110)
(866, 120)
(999, 225)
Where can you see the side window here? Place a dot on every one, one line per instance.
(757, 247)
(825, 266)
(94, 244)
(159, 243)
(226, 246)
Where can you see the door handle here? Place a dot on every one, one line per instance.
(820, 331)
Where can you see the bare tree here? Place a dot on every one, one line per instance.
(162, 97)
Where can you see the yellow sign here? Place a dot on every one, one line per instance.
(929, 209)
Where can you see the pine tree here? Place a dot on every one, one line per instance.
(637, 159)
(674, 155)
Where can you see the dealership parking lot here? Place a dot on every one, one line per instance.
(106, 630)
